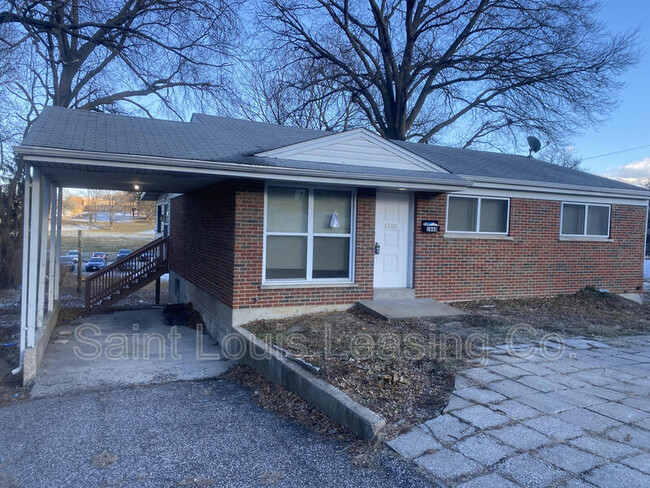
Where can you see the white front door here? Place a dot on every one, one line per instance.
(392, 232)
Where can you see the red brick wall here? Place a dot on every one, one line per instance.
(216, 242)
(249, 248)
(534, 263)
(201, 244)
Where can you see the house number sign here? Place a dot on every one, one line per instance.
(430, 226)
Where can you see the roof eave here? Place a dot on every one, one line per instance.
(548, 187)
(37, 154)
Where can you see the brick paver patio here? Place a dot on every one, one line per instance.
(580, 418)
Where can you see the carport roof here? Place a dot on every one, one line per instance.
(236, 142)
(60, 132)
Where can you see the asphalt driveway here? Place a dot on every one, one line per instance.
(205, 433)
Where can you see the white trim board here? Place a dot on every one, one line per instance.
(250, 171)
(559, 196)
(554, 188)
(357, 147)
(512, 188)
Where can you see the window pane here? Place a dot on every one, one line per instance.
(331, 257)
(326, 203)
(286, 257)
(573, 219)
(597, 221)
(462, 214)
(287, 209)
(494, 215)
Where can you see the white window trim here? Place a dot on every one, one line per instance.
(310, 241)
(478, 216)
(584, 234)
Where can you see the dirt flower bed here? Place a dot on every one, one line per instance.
(398, 369)
(588, 313)
(404, 370)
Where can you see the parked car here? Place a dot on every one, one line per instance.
(67, 262)
(74, 254)
(122, 253)
(95, 264)
(99, 255)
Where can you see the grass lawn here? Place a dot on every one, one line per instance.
(125, 235)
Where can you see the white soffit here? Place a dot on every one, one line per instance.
(358, 147)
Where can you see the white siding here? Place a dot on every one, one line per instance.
(355, 148)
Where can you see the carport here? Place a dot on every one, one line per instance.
(125, 348)
(47, 176)
(51, 166)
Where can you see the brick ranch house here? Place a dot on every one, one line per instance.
(271, 221)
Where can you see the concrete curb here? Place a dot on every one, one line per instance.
(243, 346)
(327, 398)
(33, 355)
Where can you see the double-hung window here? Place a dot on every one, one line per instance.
(478, 214)
(308, 234)
(581, 219)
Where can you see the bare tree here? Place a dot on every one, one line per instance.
(269, 94)
(105, 54)
(422, 70)
(119, 56)
(92, 201)
(562, 156)
(111, 206)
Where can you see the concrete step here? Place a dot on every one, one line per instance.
(408, 308)
(393, 293)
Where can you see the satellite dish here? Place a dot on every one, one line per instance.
(534, 145)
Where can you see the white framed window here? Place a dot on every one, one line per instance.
(481, 215)
(585, 219)
(308, 234)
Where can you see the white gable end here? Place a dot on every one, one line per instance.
(358, 147)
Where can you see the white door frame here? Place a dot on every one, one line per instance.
(410, 235)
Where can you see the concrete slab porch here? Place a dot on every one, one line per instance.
(408, 308)
(125, 348)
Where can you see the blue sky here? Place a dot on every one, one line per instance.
(629, 125)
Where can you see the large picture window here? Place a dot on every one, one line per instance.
(589, 220)
(308, 234)
(478, 214)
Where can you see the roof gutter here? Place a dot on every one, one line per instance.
(559, 188)
(65, 156)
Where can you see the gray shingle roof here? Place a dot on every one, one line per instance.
(509, 166)
(211, 138)
(221, 138)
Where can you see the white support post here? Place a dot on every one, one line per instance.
(42, 262)
(27, 200)
(32, 280)
(57, 251)
(51, 274)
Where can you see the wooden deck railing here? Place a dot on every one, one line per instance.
(142, 266)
